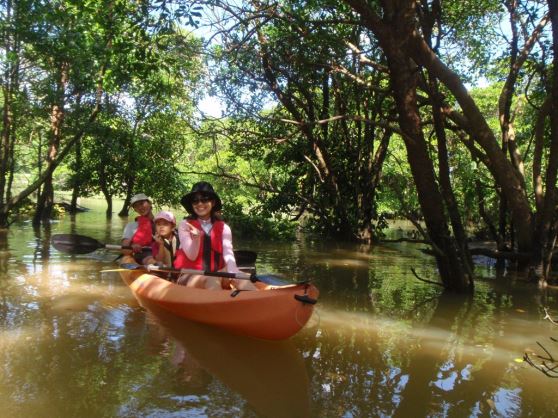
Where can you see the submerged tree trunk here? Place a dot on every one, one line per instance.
(502, 169)
(105, 189)
(108, 199)
(7, 122)
(125, 211)
(446, 187)
(453, 270)
(429, 18)
(10, 85)
(76, 177)
(546, 226)
(531, 234)
(45, 201)
(393, 33)
(403, 79)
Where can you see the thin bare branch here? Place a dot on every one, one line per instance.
(425, 280)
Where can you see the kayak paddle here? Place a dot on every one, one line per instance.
(155, 268)
(80, 244)
(266, 278)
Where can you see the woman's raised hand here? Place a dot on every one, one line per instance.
(187, 227)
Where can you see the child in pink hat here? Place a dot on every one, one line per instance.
(166, 239)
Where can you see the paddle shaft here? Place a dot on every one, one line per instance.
(121, 247)
(264, 278)
(239, 275)
(240, 255)
(80, 244)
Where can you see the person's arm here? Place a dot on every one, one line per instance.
(158, 249)
(127, 235)
(230, 262)
(228, 253)
(190, 238)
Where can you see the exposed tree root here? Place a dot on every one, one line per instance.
(546, 363)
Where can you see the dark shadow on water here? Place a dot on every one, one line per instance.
(41, 251)
(4, 251)
(269, 375)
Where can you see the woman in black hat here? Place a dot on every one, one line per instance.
(206, 241)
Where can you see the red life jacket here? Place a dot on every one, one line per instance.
(144, 234)
(210, 254)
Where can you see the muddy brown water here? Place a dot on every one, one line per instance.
(75, 343)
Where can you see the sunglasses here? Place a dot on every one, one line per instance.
(197, 200)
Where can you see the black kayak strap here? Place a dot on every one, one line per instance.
(206, 257)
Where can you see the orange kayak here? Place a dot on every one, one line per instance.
(271, 312)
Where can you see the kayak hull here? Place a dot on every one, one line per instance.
(271, 313)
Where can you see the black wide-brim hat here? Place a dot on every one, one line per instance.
(205, 189)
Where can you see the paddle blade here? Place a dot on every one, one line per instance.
(112, 270)
(75, 244)
(245, 258)
(272, 279)
(132, 266)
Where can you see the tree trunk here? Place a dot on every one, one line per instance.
(504, 172)
(75, 197)
(445, 182)
(108, 199)
(77, 166)
(370, 185)
(403, 80)
(45, 201)
(39, 161)
(315, 141)
(546, 220)
(131, 176)
(431, 16)
(392, 35)
(109, 207)
(4, 220)
(9, 83)
(12, 165)
(105, 189)
(27, 191)
(509, 146)
(7, 119)
(77, 184)
(124, 212)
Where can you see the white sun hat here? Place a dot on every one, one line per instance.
(138, 198)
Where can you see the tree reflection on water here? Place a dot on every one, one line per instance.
(74, 342)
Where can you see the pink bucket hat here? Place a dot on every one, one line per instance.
(167, 216)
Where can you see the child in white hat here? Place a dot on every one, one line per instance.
(139, 233)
